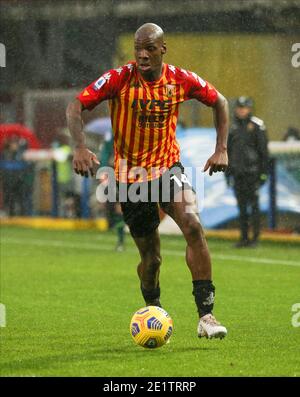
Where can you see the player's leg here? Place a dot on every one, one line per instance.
(197, 252)
(185, 214)
(142, 219)
(149, 267)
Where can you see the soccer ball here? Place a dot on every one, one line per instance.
(151, 327)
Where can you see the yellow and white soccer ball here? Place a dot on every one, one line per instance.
(151, 327)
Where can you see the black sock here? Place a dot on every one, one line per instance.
(204, 293)
(151, 296)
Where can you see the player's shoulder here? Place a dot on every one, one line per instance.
(123, 72)
(116, 77)
(175, 70)
(185, 75)
(178, 72)
(258, 122)
(126, 69)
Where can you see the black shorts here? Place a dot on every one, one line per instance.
(142, 215)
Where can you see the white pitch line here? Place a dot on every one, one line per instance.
(266, 261)
(100, 247)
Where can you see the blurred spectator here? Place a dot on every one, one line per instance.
(292, 134)
(69, 198)
(8, 131)
(17, 177)
(248, 166)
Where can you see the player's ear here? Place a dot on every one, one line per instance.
(163, 49)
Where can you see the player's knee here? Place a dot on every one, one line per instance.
(151, 259)
(192, 230)
(155, 261)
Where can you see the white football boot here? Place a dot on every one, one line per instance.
(209, 327)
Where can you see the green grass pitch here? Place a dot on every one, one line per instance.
(69, 298)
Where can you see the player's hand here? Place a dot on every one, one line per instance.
(217, 162)
(84, 161)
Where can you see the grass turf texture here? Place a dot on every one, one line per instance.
(69, 299)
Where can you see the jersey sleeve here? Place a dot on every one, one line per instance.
(197, 88)
(105, 87)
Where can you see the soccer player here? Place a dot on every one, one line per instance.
(144, 98)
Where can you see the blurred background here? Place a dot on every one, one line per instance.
(55, 48)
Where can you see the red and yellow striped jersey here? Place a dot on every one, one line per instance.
(144, 115)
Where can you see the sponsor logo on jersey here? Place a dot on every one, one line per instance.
(107, 76)
(129, 66)
(150, 104)
(172, 68)
(85, 93)
(119, 70)
(170, 89)
(151, 121)
(184, 71)
(201, 81)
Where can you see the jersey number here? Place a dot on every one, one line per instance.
(183, 180)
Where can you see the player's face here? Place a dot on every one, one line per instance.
(148, 55)
(242, 112)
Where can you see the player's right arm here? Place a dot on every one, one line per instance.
(83, 158)
(105, 87)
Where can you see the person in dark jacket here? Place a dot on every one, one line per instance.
(248, 167)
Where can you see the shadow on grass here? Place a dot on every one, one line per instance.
(108, 355)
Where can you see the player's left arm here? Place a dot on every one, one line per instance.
(219, 160)
(203, 91)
